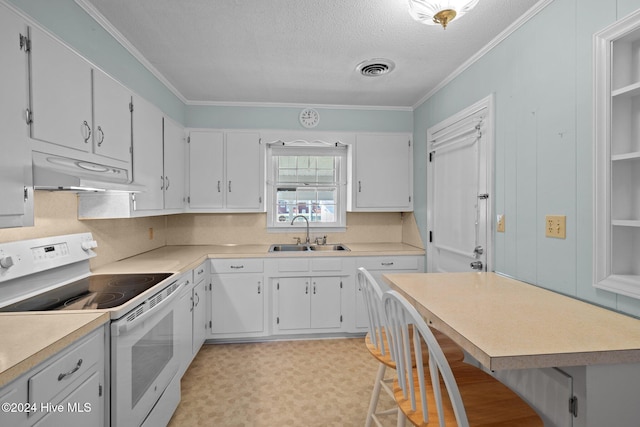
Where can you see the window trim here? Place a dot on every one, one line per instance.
(303, 148)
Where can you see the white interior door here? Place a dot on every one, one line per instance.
(459, 191)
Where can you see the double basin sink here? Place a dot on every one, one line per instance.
(304, 248)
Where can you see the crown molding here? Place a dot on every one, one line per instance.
(120, 38)
(535, 9)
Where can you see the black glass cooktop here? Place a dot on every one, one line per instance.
(99, 291)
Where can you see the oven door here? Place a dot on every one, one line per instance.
(144, 359)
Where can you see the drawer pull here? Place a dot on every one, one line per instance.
(236, 267)
(71, 372)
(386, 263)
(201, 271)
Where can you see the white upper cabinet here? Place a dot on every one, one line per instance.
(64, 101)
(148, 168)
(206, 169)
(112, 118)
(174, 165)
(382, 174)
(617, 158)
(16, 208)
(226, 171)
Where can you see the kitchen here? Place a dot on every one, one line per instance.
(540, 75)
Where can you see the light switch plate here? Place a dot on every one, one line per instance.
(556, 226)
(500, 222)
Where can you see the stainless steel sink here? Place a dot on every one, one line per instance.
(336, 247)
(303, 248)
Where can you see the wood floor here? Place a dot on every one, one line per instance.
(288, 383)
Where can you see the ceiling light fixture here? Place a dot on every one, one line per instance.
(434, 12)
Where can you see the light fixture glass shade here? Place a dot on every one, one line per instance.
(439, 12)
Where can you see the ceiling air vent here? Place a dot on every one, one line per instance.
(375, 67)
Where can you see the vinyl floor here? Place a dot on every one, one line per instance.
(285, 383)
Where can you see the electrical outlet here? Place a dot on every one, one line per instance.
(556, 226)
(500, 222)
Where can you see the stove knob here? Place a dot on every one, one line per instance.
(89, 244)
(6, 262)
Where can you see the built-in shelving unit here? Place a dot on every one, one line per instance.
(617, 158)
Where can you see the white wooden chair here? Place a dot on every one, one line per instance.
(472, 398)
(378, 346)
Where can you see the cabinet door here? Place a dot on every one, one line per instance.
(112, 118)
(237, 304)
(293, 299)
(383, 172)
(83, 407)
(184, 330)
(174, 156)
(244, 171)
(148, 167)
(199, 316)
(60, 94)
(206, 169)
(15, 159)
(326, 307)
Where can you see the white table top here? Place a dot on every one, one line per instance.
(508, 324)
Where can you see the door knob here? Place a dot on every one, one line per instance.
(476, 265)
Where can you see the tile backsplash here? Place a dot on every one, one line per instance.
(56, 214)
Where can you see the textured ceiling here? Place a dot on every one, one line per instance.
(302, 51)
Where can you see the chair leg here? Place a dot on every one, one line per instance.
(375, 394)
(401, 418)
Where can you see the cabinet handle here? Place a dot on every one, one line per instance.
(314, 288)
(201, 271)
(386, 263)
(162, 181)
(29, 116)
(193, 304)
(101, 137)
(306, 288)
(359, 186)
(85, 124)
(71, 372)
(229, 186)
(259, 285)
(235, 267)
(218, 186)
(198, 300)
(168, 182)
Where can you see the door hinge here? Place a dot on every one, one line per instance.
(573, 406)
(25, 43)
(99, 390)
(431, 237)
(131, 107)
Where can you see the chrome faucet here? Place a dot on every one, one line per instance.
(308, 240)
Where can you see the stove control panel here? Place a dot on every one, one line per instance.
(26, 257)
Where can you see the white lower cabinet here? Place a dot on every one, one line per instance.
(237, 298)
(306, 304)
(65, 390)
(192, 316)
(378, 266)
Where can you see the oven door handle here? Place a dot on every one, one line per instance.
(127, 326)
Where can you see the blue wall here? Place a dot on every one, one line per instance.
(542, 81)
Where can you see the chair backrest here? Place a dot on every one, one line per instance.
(372, 294)
(407, 327)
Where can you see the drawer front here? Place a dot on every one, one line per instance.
(199, 273)
(389, 263)
(47, 383)
(242, 265)
(326, 264)
(293, 265)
